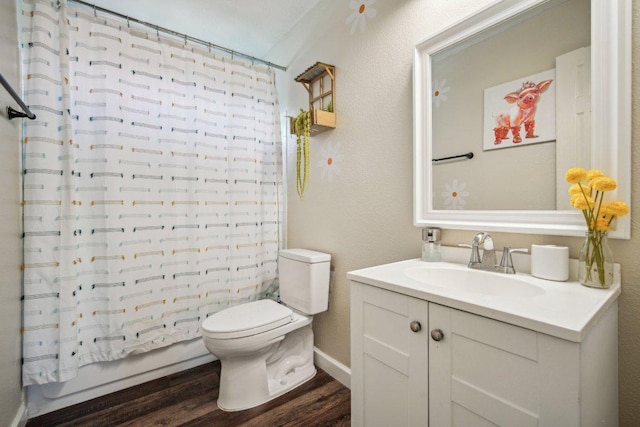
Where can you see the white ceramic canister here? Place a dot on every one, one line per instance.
(550, 262)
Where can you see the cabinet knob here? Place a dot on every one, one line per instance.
(415, 326)
(437, 334)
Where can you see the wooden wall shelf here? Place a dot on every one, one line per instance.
(320, 82)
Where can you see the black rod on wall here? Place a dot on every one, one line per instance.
(468, 155)
(179, 35)
(12, 113)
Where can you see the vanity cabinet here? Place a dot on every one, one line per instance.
(418, 363)
(389, 362)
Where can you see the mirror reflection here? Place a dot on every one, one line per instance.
(517, 96)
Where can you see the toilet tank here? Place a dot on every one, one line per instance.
(304, 279)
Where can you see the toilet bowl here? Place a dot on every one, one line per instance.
(266, 348)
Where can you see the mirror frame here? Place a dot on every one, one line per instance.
(610, 114)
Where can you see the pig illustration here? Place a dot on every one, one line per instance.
(523, 112)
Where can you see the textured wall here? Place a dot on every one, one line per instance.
(362, 216)
(10, 223)
(358, 208)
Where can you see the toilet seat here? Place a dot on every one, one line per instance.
(247, 319)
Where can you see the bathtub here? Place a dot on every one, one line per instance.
(97, 379)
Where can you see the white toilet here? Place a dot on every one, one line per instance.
(265, 348)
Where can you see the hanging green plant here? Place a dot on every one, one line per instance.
(302, 124)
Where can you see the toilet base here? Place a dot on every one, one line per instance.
(250, 380)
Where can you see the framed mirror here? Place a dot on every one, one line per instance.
(508, 99)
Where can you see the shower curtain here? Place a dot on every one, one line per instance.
(151, 188)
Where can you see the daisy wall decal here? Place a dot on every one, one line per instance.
(454, 195)
(330, 157)
(361, 11)
(439, 91)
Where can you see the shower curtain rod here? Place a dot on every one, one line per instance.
(179, 35)
(12, 113)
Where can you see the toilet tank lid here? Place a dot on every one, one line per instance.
(305, 255)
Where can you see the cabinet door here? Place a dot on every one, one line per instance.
(389, 361)
(488, 373)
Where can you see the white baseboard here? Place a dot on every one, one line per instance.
(20, 420)
(332, 367)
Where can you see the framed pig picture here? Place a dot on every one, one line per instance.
(520, 112)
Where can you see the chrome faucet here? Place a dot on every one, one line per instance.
(488, 260)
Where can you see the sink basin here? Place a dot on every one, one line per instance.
(474, 281)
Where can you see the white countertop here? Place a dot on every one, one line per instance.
(566, 310)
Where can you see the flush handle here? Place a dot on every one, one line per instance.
(437, 334)
(415, 326)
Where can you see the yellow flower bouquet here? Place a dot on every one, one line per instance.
(587, 194)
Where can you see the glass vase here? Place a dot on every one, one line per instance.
(595, 267)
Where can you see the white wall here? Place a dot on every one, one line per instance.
(363, 215)
(10, 224)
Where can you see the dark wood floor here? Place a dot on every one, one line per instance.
(189, 399)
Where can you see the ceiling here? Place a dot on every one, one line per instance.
(251, 27)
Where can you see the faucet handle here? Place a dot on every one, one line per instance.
(506, 263)
(511, 250)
